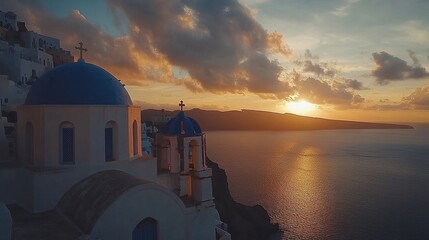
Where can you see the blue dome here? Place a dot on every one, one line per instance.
(190, 126)
(77, 83)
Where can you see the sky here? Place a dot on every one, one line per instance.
(339, 59)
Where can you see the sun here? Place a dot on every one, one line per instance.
(300, 107)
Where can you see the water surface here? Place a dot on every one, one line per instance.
(333, 184)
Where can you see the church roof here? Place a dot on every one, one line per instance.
(182, 124)
(84, 203)
(77, 83)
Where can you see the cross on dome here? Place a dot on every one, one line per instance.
(181, 105)
(81, 49)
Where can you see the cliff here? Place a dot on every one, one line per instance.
(267, 121)
(244, 222)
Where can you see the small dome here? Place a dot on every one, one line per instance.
(190, 126)
(77, 83)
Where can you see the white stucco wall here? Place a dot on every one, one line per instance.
(89, 123)
(151, 200)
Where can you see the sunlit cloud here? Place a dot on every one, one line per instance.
(321, 92)
(419, 99)
(220, 48)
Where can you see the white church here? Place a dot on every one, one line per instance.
(79, 172)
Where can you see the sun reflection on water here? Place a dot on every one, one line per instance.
(304, 191)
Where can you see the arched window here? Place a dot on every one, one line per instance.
(146, 230)
(135, 139)
(193, 154)
(67, 143)
(166, 155)
(110, 141)
(29, 134)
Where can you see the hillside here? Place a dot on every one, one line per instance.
(267, 121)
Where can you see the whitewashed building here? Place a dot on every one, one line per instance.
(80, 172)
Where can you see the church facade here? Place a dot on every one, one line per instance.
(80, 172)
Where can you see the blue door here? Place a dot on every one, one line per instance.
(146, 230)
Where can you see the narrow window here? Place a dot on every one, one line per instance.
(108, 144)
(110, 141)
(67, 143)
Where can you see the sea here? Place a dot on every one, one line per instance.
(331, 184)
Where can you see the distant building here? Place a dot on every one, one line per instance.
(161, 119)
(148, 134)
(8, 20)
(24, 57)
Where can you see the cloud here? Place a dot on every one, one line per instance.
(311, 64)
(117, 54)
(308, 55)
(390, 68)
(321, 92)
(388, 107)
(354, 84)
(219, 44)
(412, 55)
(419, 99)
(318, 69)
(343, 10)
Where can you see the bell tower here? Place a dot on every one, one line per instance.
(181, 150)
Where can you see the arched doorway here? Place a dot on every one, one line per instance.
(147, 229)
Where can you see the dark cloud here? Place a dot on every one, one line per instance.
(219, 43)
(321, 92)
(390, 68)
(318, 69)
(419, 99)
(354, 84)
(311, 64)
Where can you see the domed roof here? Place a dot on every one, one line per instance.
(77, 83)
(190, 126)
